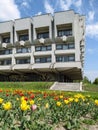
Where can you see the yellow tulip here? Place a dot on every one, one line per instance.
(7, 105)
(24, 106)
(1, 100)
(96, 102)
(76, 99)
(47, 105)
(31, 102)
(61, 96)
(58, 104)
(66, 101)
(71, 99)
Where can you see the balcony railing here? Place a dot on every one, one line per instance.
(65, 46)
(43, 60)
(23, 61)
(5, 52)
(5, 62)
(43, 48)
(65, 58)
(23, 50)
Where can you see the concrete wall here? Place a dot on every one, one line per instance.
(31, 25)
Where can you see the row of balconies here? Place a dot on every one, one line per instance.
(27, 49)
(39, 28)
(38, 59)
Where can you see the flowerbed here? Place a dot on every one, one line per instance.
(29, 110)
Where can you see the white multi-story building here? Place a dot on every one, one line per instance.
(43, 47)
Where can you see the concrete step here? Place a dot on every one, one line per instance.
(66, 86)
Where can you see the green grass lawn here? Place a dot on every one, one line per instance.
(49, 114)
(90, 87)
(26, 85)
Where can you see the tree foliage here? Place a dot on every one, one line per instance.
(86, 80)
(95, 81)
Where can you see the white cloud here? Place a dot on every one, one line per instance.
(8, 10)
(91, 74)
(65, 4)
(48, 7)
(91, 16)
(92, 30)
(25, 4)
(39, 13)
(78, 3)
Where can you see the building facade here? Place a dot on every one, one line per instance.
(43, 47)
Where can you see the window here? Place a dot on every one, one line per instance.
(6, 40)
(48, 48)
(23, 61)
(38, 48)
(43, 35)
(5, 62)
(65, 58)
(67, 32)
(48, 59)
(71, 58)
(23, 37)
(59, 59)
(43, 60)
(65, 46)
(71, 46)
(5, 52)
(23, 50)
(43, 48)
(59, 47)
(37, 60)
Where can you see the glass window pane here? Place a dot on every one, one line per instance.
(37, 60)
(43, 35)
(38, 48)
(59, 47)
(48, 47)
(71, 46)
(6, 40)
(43, 48)
(71, 58)
(65, 47)
(48, 59)
(23, 37)
(65, 58)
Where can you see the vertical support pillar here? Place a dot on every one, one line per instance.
(53, 53)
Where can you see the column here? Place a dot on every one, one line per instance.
(16, 36)
(53, 53)
(32, 54)
(30, 34)
(11, 37)
(0, 39)
(34, 32)
(13, 58)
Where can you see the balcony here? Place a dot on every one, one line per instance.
(65, 58)
(43, 59)
(5, 64)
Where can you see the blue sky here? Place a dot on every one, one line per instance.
(13, 9)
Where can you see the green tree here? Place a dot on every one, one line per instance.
(95, 81)
(86, 80)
